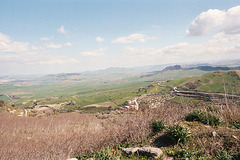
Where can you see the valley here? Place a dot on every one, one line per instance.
(120, 110)
(119, 80)
(65, 94)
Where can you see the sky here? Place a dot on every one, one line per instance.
(57, 36)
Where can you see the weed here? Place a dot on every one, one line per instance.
(157, 126)
(229, 143)
(107, 154)
(185, 154)
(104, 154)
(177, 133)
(224, 155)
(236, 124)
(203, 117)
(85, 156)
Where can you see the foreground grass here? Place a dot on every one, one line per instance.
(75, 135)
(58, 137)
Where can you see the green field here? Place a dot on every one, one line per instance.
(114, 88)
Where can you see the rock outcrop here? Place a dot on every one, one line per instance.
(131, 104)
(144, 151)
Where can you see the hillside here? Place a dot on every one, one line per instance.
(218, 81)
(179, 133)
(99, 120)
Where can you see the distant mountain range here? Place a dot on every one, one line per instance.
(180, 67)
(116, 72)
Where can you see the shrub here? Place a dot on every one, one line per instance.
(224, 155)
(107, 154)
(104, 154)
(177, 133)
(203, 117)
(185, 154)
(236, 124)
(157, 126)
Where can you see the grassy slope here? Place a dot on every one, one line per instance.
(87, 128)
(222, 81)
(175, 74)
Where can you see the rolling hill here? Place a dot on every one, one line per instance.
(218, 81)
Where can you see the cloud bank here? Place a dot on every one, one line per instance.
(227, 22)
(132, 38)
(9, 46)
(97, 52)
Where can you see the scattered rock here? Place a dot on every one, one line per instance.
(144, 151)
(235, 137)
(131, 105)
(149, 86)
(130, 151)
(72, 159)
(214, 134)
(168, 158)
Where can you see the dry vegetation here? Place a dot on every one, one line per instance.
(67, 135)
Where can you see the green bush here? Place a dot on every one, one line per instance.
(203, 117)
(236, 124)
(106, 154)
(185, 154)
(224, 155)
(157, 126)
(177, 133)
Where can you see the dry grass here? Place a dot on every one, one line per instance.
(203, 140)
(67, 135)
(62, 136)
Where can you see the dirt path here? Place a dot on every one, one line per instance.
(8, 96)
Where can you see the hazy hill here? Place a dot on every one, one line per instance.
(201, 67)
(175, 67)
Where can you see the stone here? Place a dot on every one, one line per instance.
(144, 151)
(168, 158)
(150, 152)
(130, 151)
(214, 134)
(235, 137)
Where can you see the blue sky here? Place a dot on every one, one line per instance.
(53, 36)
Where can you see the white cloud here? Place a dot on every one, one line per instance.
(221, 46)
(33, 58)
(35, 48)
(99, 39)
(44, 39)
(61, 30)
(231, 23)
(4, 38)
(53, 46)
(205, 22)
(155, 26)
(97, 52)
(217, 20)
(68, 44)
(133, 38)
(7, 45)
